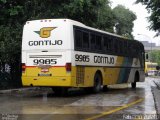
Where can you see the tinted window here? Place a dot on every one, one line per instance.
(116, 42)
(107, 43)
(98, 42)
(121, 47)
(78, 38)
(85, 40)
(93, 41)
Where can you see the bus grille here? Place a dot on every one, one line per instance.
(80, 75)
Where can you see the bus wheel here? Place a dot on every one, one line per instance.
(97, 83)
(60, 91)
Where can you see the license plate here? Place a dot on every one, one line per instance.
(44, 70)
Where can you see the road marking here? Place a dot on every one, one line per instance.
(115, 110)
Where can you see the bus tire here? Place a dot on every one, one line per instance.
(97, 83)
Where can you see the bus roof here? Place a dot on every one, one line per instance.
(73, 22)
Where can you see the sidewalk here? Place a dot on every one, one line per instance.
(156, 95)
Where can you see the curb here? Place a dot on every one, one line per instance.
(16, 90)
(156, 95)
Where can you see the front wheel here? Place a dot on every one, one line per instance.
(97, 83)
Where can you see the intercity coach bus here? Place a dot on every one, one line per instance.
(62, 53)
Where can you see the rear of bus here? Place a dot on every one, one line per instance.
(46, 53)
(150, 66)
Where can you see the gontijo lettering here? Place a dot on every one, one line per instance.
(45, 42)
(103, 59)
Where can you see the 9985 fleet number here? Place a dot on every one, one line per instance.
(44, 61)
(82, 58)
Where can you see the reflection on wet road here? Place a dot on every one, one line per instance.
(42, 104)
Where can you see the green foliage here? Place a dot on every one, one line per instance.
(153, 6)
(155, 56)
(15, 13)
(124, 21)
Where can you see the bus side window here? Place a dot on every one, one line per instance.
(105, 45)
(121, 47)
(129, 49)
(125, 49)
(85, 40)
(146, 56)
(98, 42)
(92, 41)
(78, 39)
(116, 43)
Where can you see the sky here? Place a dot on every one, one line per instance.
(141, 31)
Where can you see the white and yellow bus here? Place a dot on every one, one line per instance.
(62, 53)
(150, 66)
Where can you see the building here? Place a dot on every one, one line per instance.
(149, 47)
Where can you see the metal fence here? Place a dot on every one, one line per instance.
(10, 76)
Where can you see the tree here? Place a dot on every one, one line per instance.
(155, 56)
(94, 13)
(124, 21)
(153, 6)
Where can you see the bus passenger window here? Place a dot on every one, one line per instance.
(93, 41)
(98, 42)
(108, 44)
(105, 46)
(78, 38)
(116, 43)
(121, 47)
(85, 40)
(125, 49)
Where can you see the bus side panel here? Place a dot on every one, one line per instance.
(85, 75)
(136, 67)
(125, 69)
(110, 75)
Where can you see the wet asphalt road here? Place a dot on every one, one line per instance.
(118, 103)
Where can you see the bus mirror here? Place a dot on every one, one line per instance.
(146, 56)
(157, 67)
